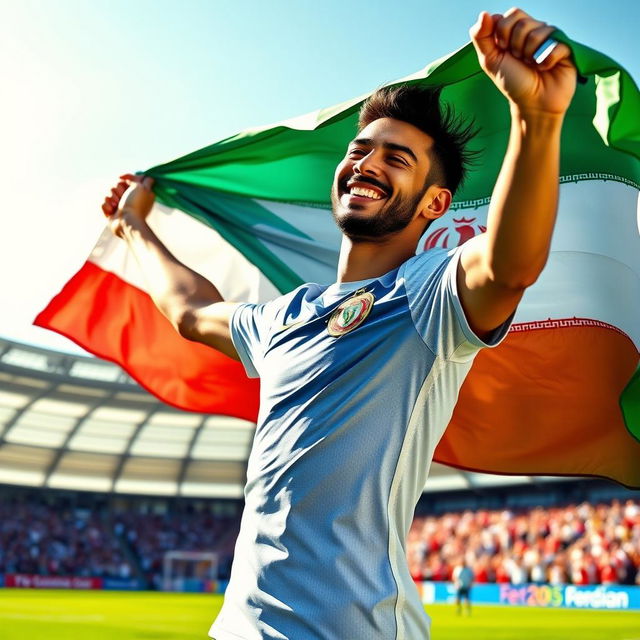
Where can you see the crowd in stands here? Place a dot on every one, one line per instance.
(581, 544)
(36, 538)
(151, 536)
(45, 538)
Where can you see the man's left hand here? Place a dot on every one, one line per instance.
(506, 44)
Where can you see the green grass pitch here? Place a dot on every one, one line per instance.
(112, 615)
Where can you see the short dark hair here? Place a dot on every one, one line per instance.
(421, 107)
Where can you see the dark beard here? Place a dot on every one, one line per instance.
(390, 219)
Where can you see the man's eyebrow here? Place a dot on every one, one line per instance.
(368, 142)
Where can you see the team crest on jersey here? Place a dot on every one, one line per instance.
(350, 314)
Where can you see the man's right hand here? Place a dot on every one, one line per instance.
(191, 303)
(137, 204)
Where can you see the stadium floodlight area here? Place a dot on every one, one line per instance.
(190, 571)
(74, 422)
(55, 363)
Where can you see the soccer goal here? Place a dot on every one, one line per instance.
(189, 570)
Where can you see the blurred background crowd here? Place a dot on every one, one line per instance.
(46, 538)
(577, 544)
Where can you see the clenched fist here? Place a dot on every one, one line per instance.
(506, 45)
(138, 203)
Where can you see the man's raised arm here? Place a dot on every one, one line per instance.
(497, 266)
(190, 302)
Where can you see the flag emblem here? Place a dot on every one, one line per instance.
(350, 314)
(446, 238)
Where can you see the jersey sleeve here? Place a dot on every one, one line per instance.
(432, 293)
(249, 325)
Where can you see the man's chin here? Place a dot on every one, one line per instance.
(358, 227)
(346, 217)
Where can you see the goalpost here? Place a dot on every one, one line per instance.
(185, 570)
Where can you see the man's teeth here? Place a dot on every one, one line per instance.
(367, 193)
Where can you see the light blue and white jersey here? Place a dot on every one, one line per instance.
(342, 448)
(463, 577)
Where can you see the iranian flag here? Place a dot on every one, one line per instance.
(560, 396)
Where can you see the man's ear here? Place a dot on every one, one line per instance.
(436, 202)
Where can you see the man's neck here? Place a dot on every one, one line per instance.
(362, 260)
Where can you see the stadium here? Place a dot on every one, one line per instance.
(118, 515)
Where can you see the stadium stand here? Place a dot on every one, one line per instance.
(63, 533)
(574, 544)
(53, 532)
(50, 539)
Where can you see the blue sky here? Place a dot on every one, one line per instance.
(95, 88)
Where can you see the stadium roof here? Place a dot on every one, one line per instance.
(75, 422)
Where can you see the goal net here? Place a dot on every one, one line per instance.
(189, 571)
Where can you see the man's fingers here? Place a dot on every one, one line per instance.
(131, 176)
(535, 39)
(145, 181)
(483, 27)
(481, 33)
(504, 26)
(559, 53)
(520, 35)
(121, 188)
(112, 202)
(513, 29)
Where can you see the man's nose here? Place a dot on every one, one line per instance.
(366, 165)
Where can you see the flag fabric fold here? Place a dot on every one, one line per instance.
(252, 214)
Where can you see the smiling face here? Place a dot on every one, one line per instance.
(379, 187)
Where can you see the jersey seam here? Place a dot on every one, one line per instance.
(238, 341)
(476, 344)
(411, 311)
(425, 390)
(413, 322)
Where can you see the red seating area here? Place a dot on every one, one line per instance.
(577, 544)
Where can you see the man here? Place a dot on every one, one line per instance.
(359, 379)
(463, 581)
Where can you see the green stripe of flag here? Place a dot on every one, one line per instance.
(630, 405)
(296, 165)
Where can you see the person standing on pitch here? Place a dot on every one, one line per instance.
(463, 581)
(359, 379)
